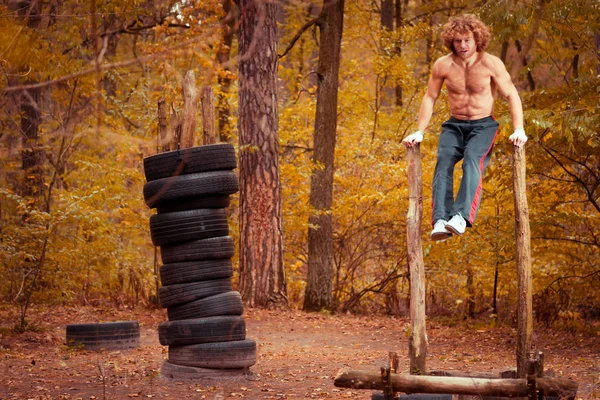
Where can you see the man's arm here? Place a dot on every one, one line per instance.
(434, 87)
(509, 92)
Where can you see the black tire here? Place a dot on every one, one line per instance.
(182, 372)
(184, 226)
(212, 157)
(202, 330)
(107, 335)
(171, 274)
(181, 293)
(194, 203)
(197, 250)
(173, 189)
(237, 354)
(228, 303)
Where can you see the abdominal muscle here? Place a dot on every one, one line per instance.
(470, 107)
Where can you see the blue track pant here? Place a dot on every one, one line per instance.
(469, 140)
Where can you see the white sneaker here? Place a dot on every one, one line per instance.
(439, 231)
(456, 225)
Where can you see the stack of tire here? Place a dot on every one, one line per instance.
(206, 332)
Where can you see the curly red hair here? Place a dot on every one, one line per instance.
(464, 24)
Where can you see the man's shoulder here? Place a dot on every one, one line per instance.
(490, 59)
(443, 64)
(444, 60)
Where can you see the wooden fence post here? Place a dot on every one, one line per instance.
(190, 107)
(165, 133)
(525, 320)
(208, 115)
(418, 338)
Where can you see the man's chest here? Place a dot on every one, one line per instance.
(469, 81)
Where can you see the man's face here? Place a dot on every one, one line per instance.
(464, 45)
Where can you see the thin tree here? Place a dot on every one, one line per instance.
(262, 276)
(320, 232)
(31, 116)
(225, 76)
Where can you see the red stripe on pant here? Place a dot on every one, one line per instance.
(480, 185)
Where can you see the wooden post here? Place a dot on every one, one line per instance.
(525, 320)
(190, 107)
(418, 338)
(208, 115)
(388, 390)
(532, 368)
(393, 361)
(165, 132)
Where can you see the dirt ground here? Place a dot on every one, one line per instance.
(298, 356)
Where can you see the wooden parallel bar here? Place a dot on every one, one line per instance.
(407, 383)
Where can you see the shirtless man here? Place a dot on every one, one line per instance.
(472, 78)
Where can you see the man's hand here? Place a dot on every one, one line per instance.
(413, 139)
(518, 138)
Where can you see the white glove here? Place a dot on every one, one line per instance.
(413, 138)
(518, 138)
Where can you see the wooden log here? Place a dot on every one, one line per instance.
(407, 383)
(418, 338)
(190, 107)
(207, 100)
(523, 258)
(509, 373)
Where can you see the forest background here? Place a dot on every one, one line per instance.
(79, 89)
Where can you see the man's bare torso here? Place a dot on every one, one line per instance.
(471, 87)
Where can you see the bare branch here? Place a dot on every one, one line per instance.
(297, 36)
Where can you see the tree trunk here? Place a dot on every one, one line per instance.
(597, 47)
(225, 75)
(262, 276)
(112, 41)
(470, 291)
(399, 48)
(385, 92)
(524, 51)
(320, 242)
(29, 100)
(30, 153)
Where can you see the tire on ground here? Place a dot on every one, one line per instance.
(173, 189)
(202, 330)
(181, 293)
(182, 372)
(198, 250)
(417, 396)
(237, 354)
(212, 157)
(107, 335)
(192, 271)
(184, 226)
(228, 303)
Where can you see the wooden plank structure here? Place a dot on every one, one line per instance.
(177, 131)
(528, 381)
